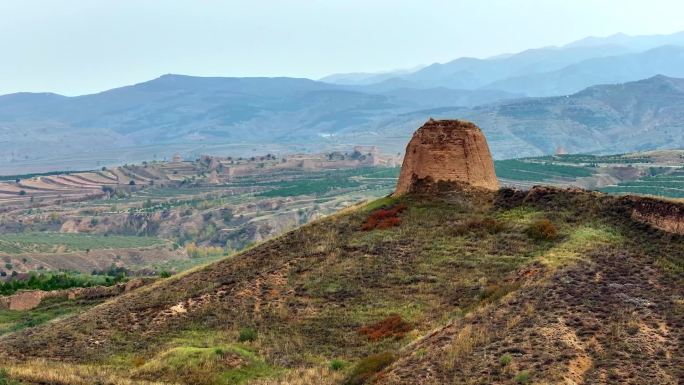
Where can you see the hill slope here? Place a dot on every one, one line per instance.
(586, 297)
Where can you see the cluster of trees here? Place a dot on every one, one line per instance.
(57, 281)
(118, 272)
(195, 251)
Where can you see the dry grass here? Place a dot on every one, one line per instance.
(43, 372)
(463, 344)
(309, 376)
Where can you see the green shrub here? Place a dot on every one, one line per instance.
(523, 377)
(505, 359)
(543, 230)
(164, 274)
(337, 365)
(5, 380)
(369, 366)
(247, 335)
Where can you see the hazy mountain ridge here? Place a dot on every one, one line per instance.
(667, 60)
(194, 112)
(549, 71)
(636, 42)
(476, 73)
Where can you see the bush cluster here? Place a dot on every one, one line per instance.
(368, 367)
(384, 218)
(543, 230)
(247, 335)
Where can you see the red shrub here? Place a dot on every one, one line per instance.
(392, 326)
(388, 222)
(384, 218)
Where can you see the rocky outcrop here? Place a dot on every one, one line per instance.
(447, 151)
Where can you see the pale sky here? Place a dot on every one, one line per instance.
(75, 47)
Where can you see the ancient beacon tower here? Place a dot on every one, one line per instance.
(449, 151)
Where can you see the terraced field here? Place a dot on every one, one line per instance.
(254, 173)
(144, 216)
(52, 187)
(58, 187)
(66, 242)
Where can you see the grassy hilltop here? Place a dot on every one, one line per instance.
(461, 287)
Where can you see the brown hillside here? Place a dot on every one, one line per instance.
(600, 301)
(615, 316)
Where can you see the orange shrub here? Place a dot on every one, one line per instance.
(392, 326)
(542, 229)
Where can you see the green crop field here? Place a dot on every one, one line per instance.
(326, 182)
(514, 169)
(660, 181)
(45, 242)
(667, 185)
(591, 159)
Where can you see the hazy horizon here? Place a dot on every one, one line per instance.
(75, 47)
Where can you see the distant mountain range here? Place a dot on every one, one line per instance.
(242, 116)
(667, 60)
(546, 71)
(193, 115)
